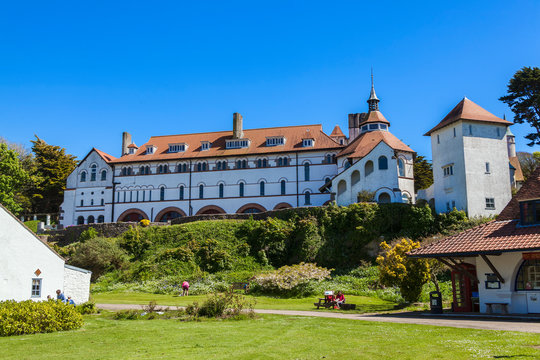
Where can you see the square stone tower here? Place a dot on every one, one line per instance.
(471, 168)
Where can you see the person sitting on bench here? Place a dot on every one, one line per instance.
(340, 298)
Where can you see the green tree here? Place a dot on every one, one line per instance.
(13, 179)
(397, 269)
(528, 162)
(423, 173)
(53, 168)
(523, 97)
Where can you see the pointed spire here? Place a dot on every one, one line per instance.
(373, 101)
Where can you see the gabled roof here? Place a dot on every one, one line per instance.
(132, 145)
(336, 132)
(468, 110)
(501, 235)
(363, 144)
(257, 137)
(106, 157)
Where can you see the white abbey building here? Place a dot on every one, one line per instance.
(240, 171)
(474, 162)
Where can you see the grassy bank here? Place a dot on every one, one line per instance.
(269, 337)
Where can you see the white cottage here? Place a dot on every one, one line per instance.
(30, 269)
(496, 266)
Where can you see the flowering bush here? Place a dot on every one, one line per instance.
(30, 317)
(288, 278)
(144, 222)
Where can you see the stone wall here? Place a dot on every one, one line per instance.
(257, 216)
(77, 283)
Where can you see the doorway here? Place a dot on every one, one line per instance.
(465, 290)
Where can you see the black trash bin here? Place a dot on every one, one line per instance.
(435, 302)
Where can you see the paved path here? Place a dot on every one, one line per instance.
(401, 318)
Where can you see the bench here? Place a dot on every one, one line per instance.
(330, 304)
(503, 306)
(240, 286)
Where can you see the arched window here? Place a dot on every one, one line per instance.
(265, 163)
(204, 166)
(244, 164)
(405, 199)
(91, 219)
(80, 220)
(201, 191)
(241, 189)
(384, 198)
(306, 171)
(102, 202)
(160, 169)
(259, 163)
(401, 167)
(342, 187)
(83, 177)
(355, 177)
(103, 175)
(261, 188)
(285, 161)
(347, 164)
(280, 162)
(93, 172)
(528, 276)
(328, 159)
(101, 219)
(283, 187)
(199, 166)
(91, 202)
(368, 168)
(383, 163)
(181, 192)
(124, 171)
(221, 190)
(165, 168)
(334, 158)
(307, 198)
(162, 193)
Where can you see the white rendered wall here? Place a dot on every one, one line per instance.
(77, 284)
(21, 255)
(132, 186)
(378, 181)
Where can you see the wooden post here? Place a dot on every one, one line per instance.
(493, 268)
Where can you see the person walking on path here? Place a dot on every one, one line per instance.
(185, 288)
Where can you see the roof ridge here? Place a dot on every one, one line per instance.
(230, 131)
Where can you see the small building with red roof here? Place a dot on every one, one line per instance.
(496, 265)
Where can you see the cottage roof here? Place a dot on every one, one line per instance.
(501, 235)
(375, 116)
(468, 110)
(257, 138)
(337, 132)
(363, 144)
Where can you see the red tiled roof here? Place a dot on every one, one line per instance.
(363, 144)
(337, 132)
(503, 234)
(133, 146)
(514, 161)
(375, 116)
(108, 158)
(468, 110)
(292, 134)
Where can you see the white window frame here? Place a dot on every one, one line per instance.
(308, 142)
(448, 170)
(237, 143)
(275, 141)
(205, 145)
(176, 148)
(490, 203)
(150, 149)
(39, 285)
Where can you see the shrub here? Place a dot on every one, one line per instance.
(144, 222)
(88, 234)
(228, 304)
(98, 255)
(30, 317)
(398, 269)
(289, 279)
(127, 315)
(87, 308)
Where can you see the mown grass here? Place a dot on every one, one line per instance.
(364, 304)
(269, 337)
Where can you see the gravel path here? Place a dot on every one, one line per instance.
(511, 324)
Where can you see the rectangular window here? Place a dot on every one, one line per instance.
(307, 142)
(373, 126)
(205, 145)
(237, 144)
(383, 126)
(438, 139)
(36, 287)
(453, 204)
(470, 129)
(498, 132)
(150, 149)
(487, 168)
(447, 206)
(448, 170)
(275, 141)
(490, 204)
(530, 212)
(82, 202)
(364, 128)
(454, 132)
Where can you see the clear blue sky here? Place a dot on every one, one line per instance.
(77, 73)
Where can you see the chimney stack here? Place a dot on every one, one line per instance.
(126, 141)
(238, 133)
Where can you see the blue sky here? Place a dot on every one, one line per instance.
(77, 74)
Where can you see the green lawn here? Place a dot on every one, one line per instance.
(364, 304)
(270, 337)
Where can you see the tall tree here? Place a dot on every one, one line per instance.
(528, 162)
(423, 173)
(13, 178)
(53, 168)
(523, 97)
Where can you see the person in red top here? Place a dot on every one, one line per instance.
(340, 298)
(185, 288)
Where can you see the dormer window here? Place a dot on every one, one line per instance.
(205, 145)
(373, 127)
(175, 148)
(307, 142)
(236, 143)
(275, 141)
(150, 149)
(530, 212)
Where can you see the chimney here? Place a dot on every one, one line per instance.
(238, 133)
(354, 126)
(126, 141)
